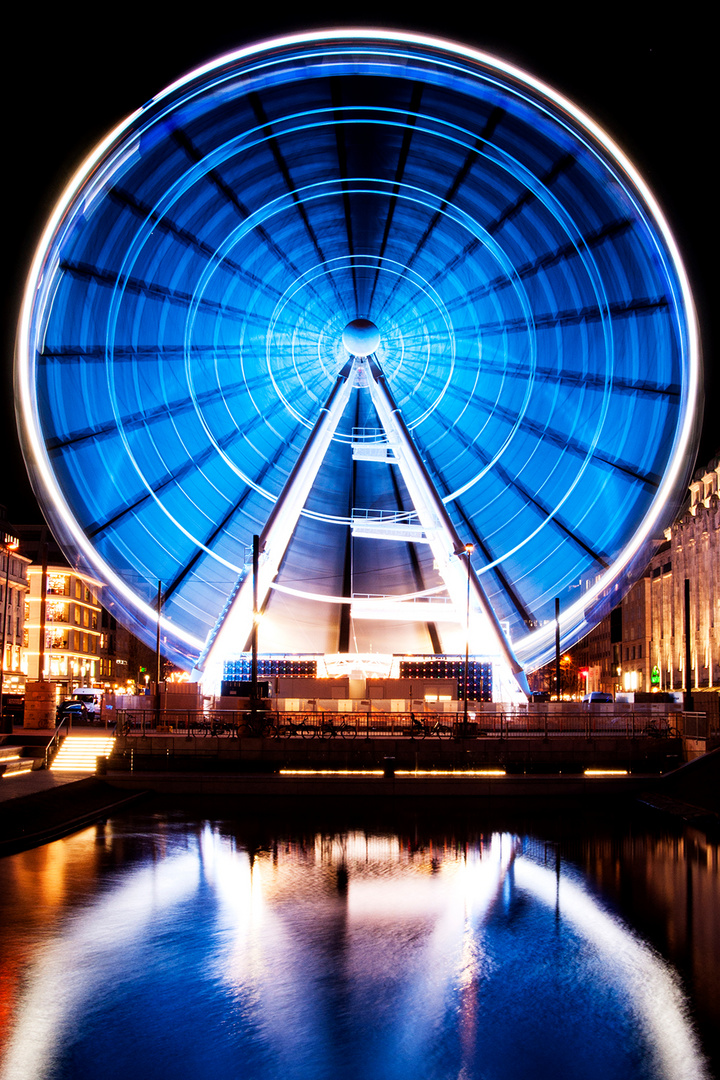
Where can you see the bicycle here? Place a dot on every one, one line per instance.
(214, 727)
(329, 729)
(662, 730)
(259, 726)
(420, 729)
(288, 728)
(126, 725)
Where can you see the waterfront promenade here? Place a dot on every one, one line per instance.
(41, 805)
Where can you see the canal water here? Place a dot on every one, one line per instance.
(197, 940)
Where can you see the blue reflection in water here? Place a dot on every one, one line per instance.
(348, 957)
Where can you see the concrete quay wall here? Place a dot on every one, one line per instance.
(358, 786)
(516, 755)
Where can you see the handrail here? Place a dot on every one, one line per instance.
(405, 517)
(58, 729)
(507, 724)
(369, 435)
(407, 598)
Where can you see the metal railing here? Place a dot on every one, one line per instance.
(369, 435)
(371, 514)
(696, 725)
(54, 745)
(427, 597)
(325, 724)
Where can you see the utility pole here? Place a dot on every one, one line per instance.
(469, 548)
(43, 605)
(254, 635)
(10, 544)
(158, 666)
(688, 700)
(557, 648)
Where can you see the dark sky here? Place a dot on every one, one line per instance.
(69, 78)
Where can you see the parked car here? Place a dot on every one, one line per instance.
(597, 697)
(91, 699)
(539, 695)
(76, 710)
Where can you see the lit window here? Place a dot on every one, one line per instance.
(58, 583)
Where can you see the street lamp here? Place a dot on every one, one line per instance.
(469, 548)
(254, 637)
(10, 543)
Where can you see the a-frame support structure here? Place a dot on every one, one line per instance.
(465, 602)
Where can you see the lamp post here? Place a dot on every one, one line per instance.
(158, 662)
(557, 649)
(469, 548)
(10, 543)
(254, 637)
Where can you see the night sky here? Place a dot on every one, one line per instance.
(69, 78)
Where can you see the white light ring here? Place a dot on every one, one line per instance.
(690, 389)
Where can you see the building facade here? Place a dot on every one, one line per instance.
(63, 640)
(126, 664)
(640, 645)
(13, 593)
(693, 556)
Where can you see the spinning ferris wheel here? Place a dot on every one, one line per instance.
(373, 297)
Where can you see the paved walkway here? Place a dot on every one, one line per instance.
(39, 806)
(31, 783)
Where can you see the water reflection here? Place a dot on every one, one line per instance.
(154, 946)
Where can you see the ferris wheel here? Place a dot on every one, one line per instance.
(434, 216)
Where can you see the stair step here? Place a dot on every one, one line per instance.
(79, 753)
(14, 765)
